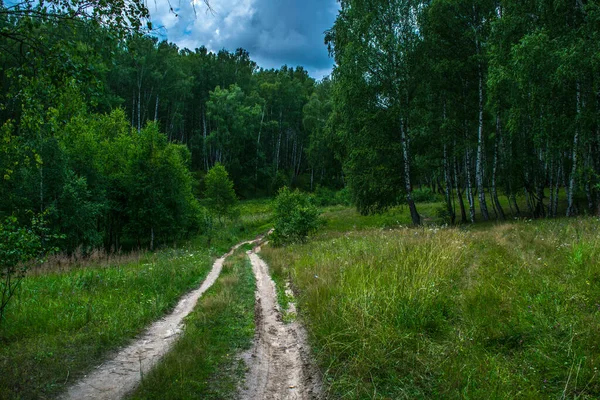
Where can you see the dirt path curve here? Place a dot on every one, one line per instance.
(120, 375)
(280, 366)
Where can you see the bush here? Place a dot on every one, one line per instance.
(324, 197)
(425, 195)
(296, 217)
(220, 196)
(19, 247)
(443, 215)
(343, 197)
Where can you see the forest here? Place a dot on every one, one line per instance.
(108, 132)
(471, 98)
(474, 99)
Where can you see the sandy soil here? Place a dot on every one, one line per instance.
(121, 374)
(279, 363)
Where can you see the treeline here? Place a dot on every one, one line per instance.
(107, 133)
(257, 123)
(476, 98)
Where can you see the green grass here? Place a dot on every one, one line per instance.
(63, 324)
(280, 276)
(344, 219)
(256, 215)
(510, 311)
(255, 219)
(204, 362)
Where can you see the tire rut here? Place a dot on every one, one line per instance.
(280, 366)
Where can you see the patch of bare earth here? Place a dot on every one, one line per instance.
(121, 374)
(279, 363)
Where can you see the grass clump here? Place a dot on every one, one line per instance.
(63, 324)
(508, 312)
(204, 362)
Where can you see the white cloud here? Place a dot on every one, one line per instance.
(275, 32)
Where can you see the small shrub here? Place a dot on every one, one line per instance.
(425, 195)
(295, 217)
(324, 196)
(19, 247)
(343, 197)
(220, 196)
(443, 215)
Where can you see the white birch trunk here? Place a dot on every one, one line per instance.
(571, 211)
(479, 169)
(470, 197)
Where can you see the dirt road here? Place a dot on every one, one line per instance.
(120, 375)
(279, 362)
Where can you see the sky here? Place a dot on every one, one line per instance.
(275, 32)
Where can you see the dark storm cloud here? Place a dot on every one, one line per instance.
(275, 32)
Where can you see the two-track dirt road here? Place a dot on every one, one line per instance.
(279, 363)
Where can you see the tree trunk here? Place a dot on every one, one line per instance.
(551, 184)
(556, 191)
(571, 209)
(479, 170)
(133, 108)
(588, 179)
(258, 146)
(278, 144)
(495, 200)
(139, 104)
(416, 218)
(470, 196)
(463, 212)
(152, 239)
(513, 199)
(540, 208)
(597, 158)
(156, 110)
(204, 134)
(448, 191)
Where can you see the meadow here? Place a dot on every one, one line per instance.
(62, 324)
(490, 310)
(499, 311)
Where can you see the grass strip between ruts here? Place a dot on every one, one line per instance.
(204, 363)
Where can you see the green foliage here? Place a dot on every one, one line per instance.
(220, 196)
(296, 217)
(235, 118)
(324, 196)
(424, 194)
(20, 247)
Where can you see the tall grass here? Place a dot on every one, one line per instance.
(512, 311)
(61, 324)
